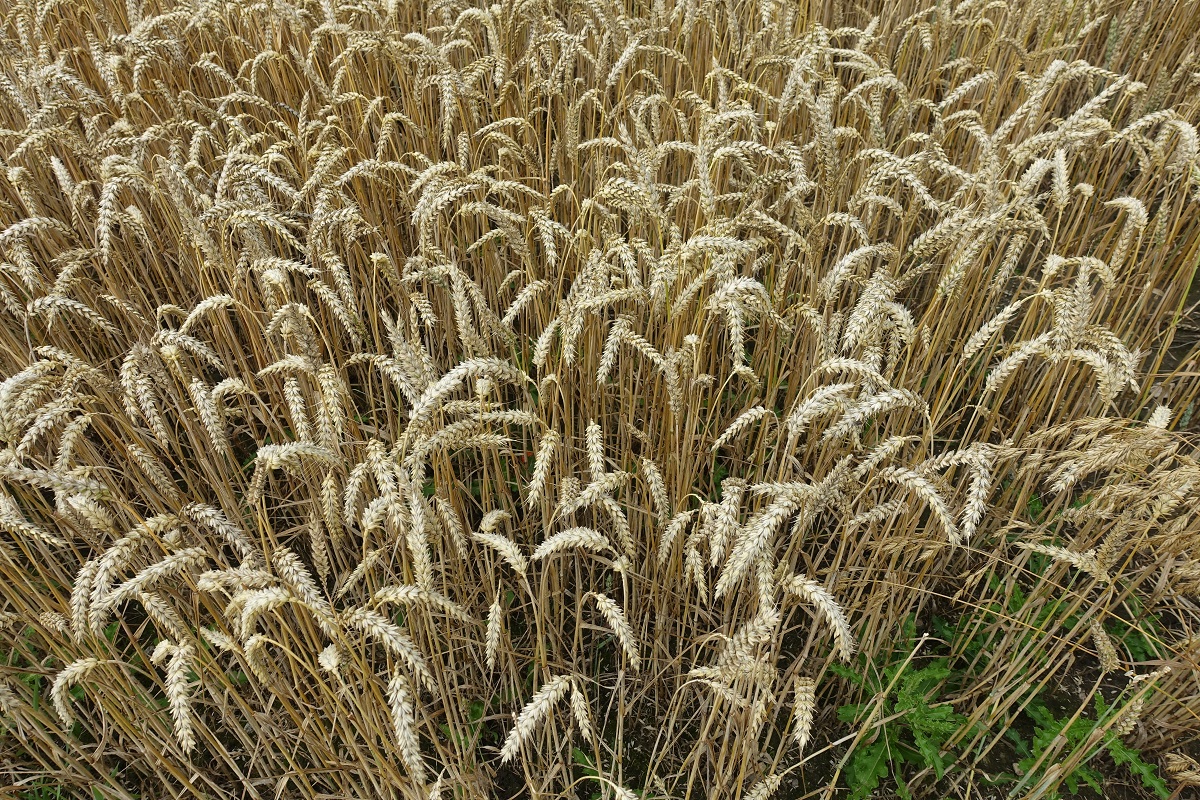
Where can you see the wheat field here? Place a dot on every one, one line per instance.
(554, 400)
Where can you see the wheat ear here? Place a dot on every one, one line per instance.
(72, 674)
(802, 714)
(810, 591)
(532, 715)
(400, 698)
(585, 538)
(620, 626)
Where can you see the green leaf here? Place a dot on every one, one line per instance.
(586, 766)
(869, 765)
(1035, 507)
(1123, 754)
(1085, 774)
(930, 749)
(848, 674)
(850, 713)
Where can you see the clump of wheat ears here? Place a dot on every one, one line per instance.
(614, 368)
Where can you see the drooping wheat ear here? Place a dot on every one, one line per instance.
(216, 521)
(760, 707)
(818, 404)
(585, 538)
(13, 521)
(866, 372)
(219, 640)
(1109, 662)
(255, 650)
(522, 299)
(289, 457)
(754, 539)
(155, 471)
(297, 408)
(877, 514)
(541, 467)
(992, 327)
(419, 595)
(452, 524)
(612, 345)
(1184, 769)
(1136, 218)
(296, 575)
(677, 525)
(541, 349)
(54, 621)
(1085, 561)
(209, 414)
(741, 425)
(493, 520)
(494, 368)
(620, 626)
(253, 603)
(620, 525)
(532, 715)
(723, 524)
(981, 461)
(393, 638)
(507, 549)
(658, 489)
(862, 410)
(922, 488)
(331, 659)
(748, 638)
(9, 702)
(208, 304)
(568, 494)
(316, 545)
(802, 713)
(581, 712)
(178, 688)
(810, 591)
(1017, 356)
(400, 698)
(495, 631)
(594, 494)
(1128, 716)
(764, 788)
(693, 565)
(70, 675)
(350, 581)
(881, 452)
(1160, 418)
(416, 537)
(595, 450)
(331, 508)
(163, 614)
